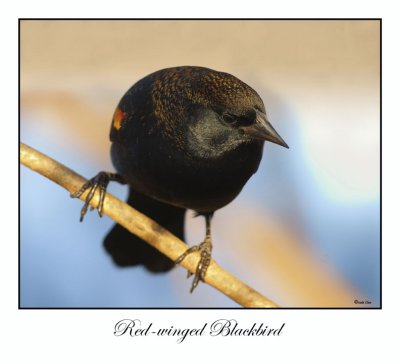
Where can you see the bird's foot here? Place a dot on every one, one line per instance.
(100, 181)
(204, 249)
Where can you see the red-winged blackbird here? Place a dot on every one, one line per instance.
(182, 138)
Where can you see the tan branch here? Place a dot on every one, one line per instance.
(145, 228)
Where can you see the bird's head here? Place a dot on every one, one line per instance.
(224, 111)
(250, 123)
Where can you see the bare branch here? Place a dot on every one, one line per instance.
(145, 228)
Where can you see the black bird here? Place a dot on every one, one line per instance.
(182, 138)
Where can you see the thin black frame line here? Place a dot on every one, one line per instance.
(19, 165)
(380, 153)
(202, 19)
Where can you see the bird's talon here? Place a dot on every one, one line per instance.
(186, 253)
(100, 181)
(202, 266)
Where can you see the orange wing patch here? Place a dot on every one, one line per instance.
(118, 118)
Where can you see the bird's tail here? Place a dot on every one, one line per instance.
(127, 249)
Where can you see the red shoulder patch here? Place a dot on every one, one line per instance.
(118, 118)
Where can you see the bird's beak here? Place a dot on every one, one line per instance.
(262, 129)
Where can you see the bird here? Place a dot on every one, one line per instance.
(182, 138)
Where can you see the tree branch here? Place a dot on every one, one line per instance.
(145, 228)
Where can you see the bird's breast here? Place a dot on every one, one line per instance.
(201, 183)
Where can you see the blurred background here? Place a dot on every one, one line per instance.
(305, 231)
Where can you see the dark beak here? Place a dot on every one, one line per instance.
(262, 129)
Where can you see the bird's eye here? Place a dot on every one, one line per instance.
(237, 120)
(229, 118)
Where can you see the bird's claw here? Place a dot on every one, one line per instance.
(205, 258)
(100, 181)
